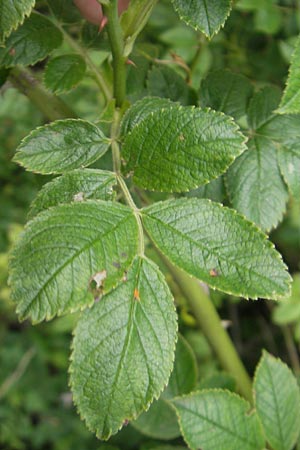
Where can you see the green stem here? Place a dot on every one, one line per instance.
(209, 321)
(51, 106)
(117, 48)
(89, 62)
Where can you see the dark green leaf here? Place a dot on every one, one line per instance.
(277, 400)
(181, 148)
(207, 16)
(216, 419)
(255, 184)
(61, 146)
(290, 102)
(123, 350)
(31, 42)
(68, 255)
(218, 246)
(64, 72)
(79, 185)
(166, 83)
(227, 92)
(12, 14)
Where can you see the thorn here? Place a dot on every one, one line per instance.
(103, 22)
(129, 62)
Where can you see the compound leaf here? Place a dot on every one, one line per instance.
(277, 400)
(226, 91)
(160, 421)
(180, 148)
(69, 255)
(61, 146)
(78, 185)
(216, 419)
(255, 184)
(207, 16)
(218, 246)
(64, 72)
(12, 14)
(290, 102)
(124, 350)
(31, 42)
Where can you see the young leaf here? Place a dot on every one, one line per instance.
(226, 91)
(12, 15)
(218, 246)
(64, 72)
(255, 184)
(61, 146)
(216, 419)
(124, 350)
(70, 255)
(160, 421)
(207, 16)
(166, 83)
(277, 400)
(31, 42)
(290, 102)
(180, 148)
(79, 185)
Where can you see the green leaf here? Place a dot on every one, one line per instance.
(69, 255)
(124, 350)
(290, 102)
(65, 11)
(31, 42)
(255, 184)
(180, 148)
(12, 14)
(277, 400)
(226, 91)
(207, 16)
(288, 311)
(61, 146)
(216, 419)
(160, 421)
(289, 163)
(64, 72)
(79, 185)
(166, 83)
(218, 246)
(262, 106)
(140, 110)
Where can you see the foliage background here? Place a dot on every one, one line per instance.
(36, 410)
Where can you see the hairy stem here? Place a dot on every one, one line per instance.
(209, 321)
(117, 48)
(50, 105)
(100, 80)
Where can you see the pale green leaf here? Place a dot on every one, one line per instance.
(61, 146)
(78, 185)
(166, 83)
(277, 400)
(216, 419)
(64, 72)
(124, 350)
(68, 255)
(255, 184)
(140, 110)
(218, 246)
(31, 42)
(160, 421)
(181, 148)
(290, 102)
(289, 163)
(226, 91)
(207, 16)
(12, 14)
(288, 311)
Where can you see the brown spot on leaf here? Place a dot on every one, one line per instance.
(213, 273)
(12, 51)
(124, 278)
(96, 284)
(117, 265)
(78, 197)
(124, 255)
(136, 294)
(181, 137)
